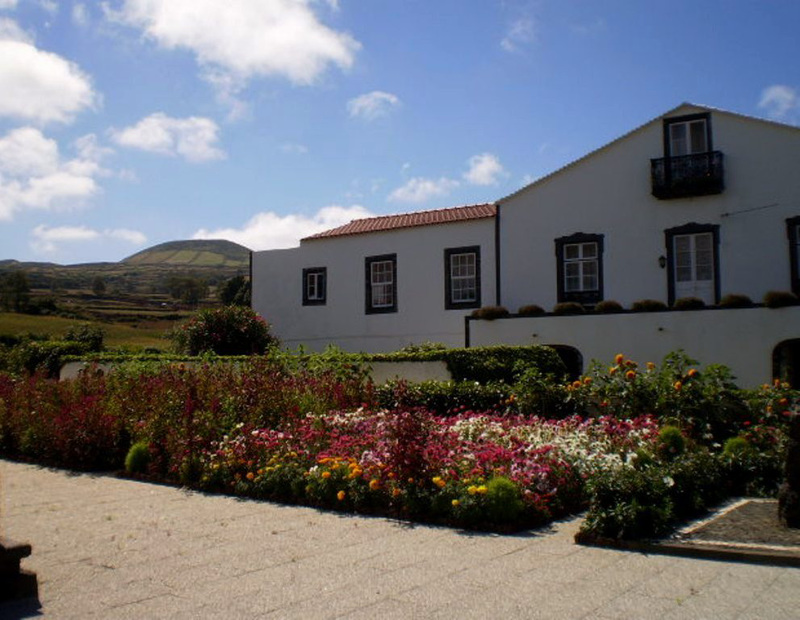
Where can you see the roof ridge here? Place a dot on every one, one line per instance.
(410, 219)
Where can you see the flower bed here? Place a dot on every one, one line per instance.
(641, 447)
(471, 470)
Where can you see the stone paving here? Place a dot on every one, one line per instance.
(110, 548)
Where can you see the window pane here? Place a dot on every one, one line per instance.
(677, 136)
(589, 250)
(382, 273)
(463, 271)
(698, 133)
(572, 251)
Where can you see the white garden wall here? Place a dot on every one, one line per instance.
(742, 339)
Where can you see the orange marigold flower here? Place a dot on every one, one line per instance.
(396, 492)
(576, 384)
(587, 380)
(677, 385)
(651, 366)
(612, 370)
(692, 372)
(374, 484)
(482, 490)
(619, 358)
(783, 402)
(326, 475)
(341, 495)
(438, 481)
(777, 383)
(472, 490)
(631, 374)
(250, 475)
(455, 503)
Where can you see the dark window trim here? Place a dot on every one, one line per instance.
(448, 253)
(791, 231)
(684, 119)
(583, 297)
(690, 229)
(316, 271)
(368, 308)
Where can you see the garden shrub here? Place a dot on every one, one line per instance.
(444, 397)
(231, 330)
(531, 310)
(138, 458)
(671, 442)
(47, 357)
(689, 303)
(780, 299)
(568, 308)
(734, 300)
(90, 335)
(629, 504)
(490, 313)
(608, 306)
(648, 305)
(540, 394)
(503, 501)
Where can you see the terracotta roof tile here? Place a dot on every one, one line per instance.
(409, 220)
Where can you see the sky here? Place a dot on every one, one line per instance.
(128, 123)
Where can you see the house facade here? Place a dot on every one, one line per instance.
(698, 203)
(379, 284)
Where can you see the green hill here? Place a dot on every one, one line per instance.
(193, 253)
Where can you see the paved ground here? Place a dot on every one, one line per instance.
(110, 548)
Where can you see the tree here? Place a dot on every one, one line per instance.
(235, 292)
(15, 291)
(189, 290)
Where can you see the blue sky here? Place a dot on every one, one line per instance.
(127, 123)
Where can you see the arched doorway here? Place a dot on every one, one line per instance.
(572, 359)
(786, 362)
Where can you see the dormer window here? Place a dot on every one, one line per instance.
(689, 167)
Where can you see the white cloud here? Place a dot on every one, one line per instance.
(268, 230)
(520, 33)
(294, 148)
(418, 189)
(80, 14)
(124, 234)
(484, 169)
(10, 30)
(46, 240)
(49, 5)
(781, 102)
(8, 4)
(34, 176)
(39, 86)
(192, 138)
(237, 40)
(372, 105)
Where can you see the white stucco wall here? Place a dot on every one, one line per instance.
(742, 339)
(342, 321)
(609, 193)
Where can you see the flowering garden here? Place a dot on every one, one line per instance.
(640, 447)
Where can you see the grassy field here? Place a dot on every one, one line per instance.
(139, 335)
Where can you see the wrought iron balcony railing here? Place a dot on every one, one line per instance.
(688, 175)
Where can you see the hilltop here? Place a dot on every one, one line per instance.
(193, 253)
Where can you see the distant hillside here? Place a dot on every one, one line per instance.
(193, 253)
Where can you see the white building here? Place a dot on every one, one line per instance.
(698, 202)
(379, 284)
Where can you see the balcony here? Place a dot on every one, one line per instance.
(699, 174)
